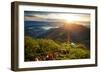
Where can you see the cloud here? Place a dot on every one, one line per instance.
(54, 17)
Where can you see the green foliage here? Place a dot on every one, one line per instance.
(31, 43)
(48, 45)
(41, 48)
(78, 53)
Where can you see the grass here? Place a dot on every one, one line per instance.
(47, 49)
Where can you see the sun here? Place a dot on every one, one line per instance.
(71, 18)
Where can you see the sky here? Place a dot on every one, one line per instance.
(65, 17)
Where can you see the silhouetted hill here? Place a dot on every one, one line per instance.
(77, 33)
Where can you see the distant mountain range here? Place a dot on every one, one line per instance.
(77, 32)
